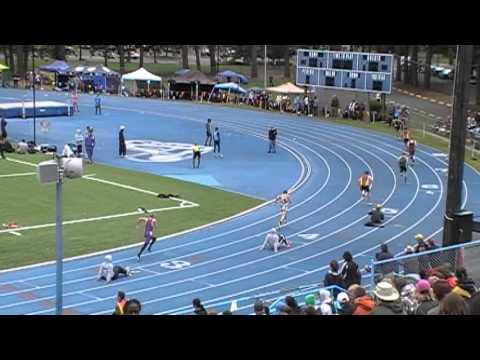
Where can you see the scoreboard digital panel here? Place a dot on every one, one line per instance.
(355, 71)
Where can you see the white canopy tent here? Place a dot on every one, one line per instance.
(130, 80)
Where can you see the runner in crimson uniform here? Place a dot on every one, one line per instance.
(412, 147)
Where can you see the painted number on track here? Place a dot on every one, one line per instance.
(175, 264)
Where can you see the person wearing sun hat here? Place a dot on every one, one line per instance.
(387, 300)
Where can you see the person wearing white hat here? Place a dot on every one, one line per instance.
(325, 302)
(387, 300)
(109, 272)
(122, 146)
(79, 142)
(275, 240)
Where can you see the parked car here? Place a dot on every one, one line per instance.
(436, 70)
(446, 74)
(134, 55)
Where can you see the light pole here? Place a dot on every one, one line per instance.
(54, 171)
(265, 69)
(34, 104)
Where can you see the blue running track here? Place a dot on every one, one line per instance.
(320, 161)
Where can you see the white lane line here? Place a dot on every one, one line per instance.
(18, 174)
(15, 233)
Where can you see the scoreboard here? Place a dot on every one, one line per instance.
(353, 71)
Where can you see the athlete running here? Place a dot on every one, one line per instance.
(150, 226)
(406, 136)
(283, 198)
(412, 147)
(365, 181)
(283, 215)
(402, 162)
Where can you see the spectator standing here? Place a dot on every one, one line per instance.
(334, 106)
(272, 137)
(216, 142)
(79, 142)
(122, 147)
(386, 300)
(197, 154)
(3, 141)
(3, 128)
(98, 105)
(89, 143)
(388, 267)
(334, 277)
(350, 271)
(208, 128)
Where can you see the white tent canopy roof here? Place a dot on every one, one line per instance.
(141, 74)
(287, 88)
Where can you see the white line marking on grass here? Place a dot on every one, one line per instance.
(106, 217)
(22, 162)
(15, 233)
(18, 174)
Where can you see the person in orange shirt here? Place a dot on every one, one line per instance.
(120, 304)
(365, 182)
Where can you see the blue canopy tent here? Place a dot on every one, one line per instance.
(230, 87)
(100, 78)
(58, 67)
(232, 75)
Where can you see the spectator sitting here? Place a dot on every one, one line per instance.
(387, 300)
(376, 216)
(453, 304)
(132, 307)
(441, 289)
(109, 272)
(465, 285)
(198, 308)
(409, 299)
(343, 305)
(259, 308)
(424, 297)
(292, 304)
(325, 302)
(334, 277)
(310, 305)
(22, 147)
(362, 302)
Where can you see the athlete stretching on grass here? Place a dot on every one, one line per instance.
(365, 181)
(150, 226)
(403, 162)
